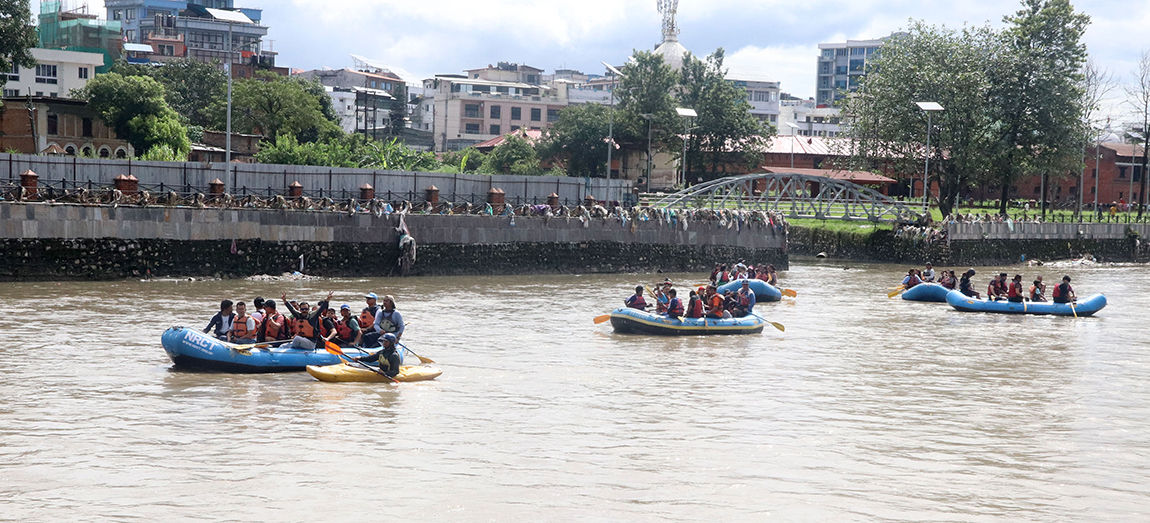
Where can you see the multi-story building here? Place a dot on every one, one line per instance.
(201, 27)
(484, 103)
(58, 126)
(809, 119)
(841, 66)
(361, 98)
(762, 94)
(55, 74)
(77, 30)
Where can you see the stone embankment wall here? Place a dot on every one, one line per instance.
(980, 244)
(56, 241)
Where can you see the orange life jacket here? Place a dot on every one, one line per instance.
(290, 324)
(273, 327)
(240, 327)
(367, 319)
(323, 330)
(304, 328)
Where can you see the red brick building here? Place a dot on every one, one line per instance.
(33, 125)
(1118, 174)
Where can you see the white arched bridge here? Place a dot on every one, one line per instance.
(794, 195)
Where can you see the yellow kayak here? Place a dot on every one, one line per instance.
(344, 372)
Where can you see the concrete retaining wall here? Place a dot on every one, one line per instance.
(58, 241)
(1044, 231)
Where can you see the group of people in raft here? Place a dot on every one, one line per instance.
(706, 301)
(999, 288)
(377, 325)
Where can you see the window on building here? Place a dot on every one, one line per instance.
(86, 125)
(86, 151)
(514, 128)
(762, 96)
(45, 74)
(1073, 190)
(83, 72)
(1121, 172)
(14, 73)
(129, 14)
(130, 35)
(774, 118)
(53, 124)
(39, 93)
(471, 128)
(840, 84)
(825, 82)
(828, 53)
(496, 112)
(1094, 173)
(516, 113)
(553, 115)
(857, 65)
(841, 69)
(8, 93)
(536, 114)
(840, 52)
(1137, 173)
(116, 14)
(53, 95)
(494, 129)
(471, 111)
(532, 78)
(105, 152)
(168, 50)
(858, 51)
(1092, 190)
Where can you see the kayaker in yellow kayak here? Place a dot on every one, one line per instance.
(387, 353)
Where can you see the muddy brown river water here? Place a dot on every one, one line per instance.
(865, 409)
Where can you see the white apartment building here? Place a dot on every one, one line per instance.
(841, 66)
(762, 93)
(362, 110)
(55, 74)
(809, 119)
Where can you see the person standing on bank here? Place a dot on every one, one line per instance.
(307, 322)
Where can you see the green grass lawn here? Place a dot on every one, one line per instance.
(841, 225)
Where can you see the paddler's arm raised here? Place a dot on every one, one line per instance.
(294, 313)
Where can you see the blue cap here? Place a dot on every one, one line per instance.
(371, 296)
(389, 337)
(345, 306)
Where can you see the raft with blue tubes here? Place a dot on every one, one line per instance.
(763, 290)
(1085, 307)
(190, 348)
(635, 321)
(926, 292)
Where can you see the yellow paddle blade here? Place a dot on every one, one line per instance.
(601, 319)
(790, 293)
(778, 325)
(895, 292)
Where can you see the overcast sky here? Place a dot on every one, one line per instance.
(770, 37)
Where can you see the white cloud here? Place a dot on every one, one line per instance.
(793, 66)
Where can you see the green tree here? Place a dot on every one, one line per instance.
(17, 36)
(134, 107)
(273, 106)
(468, 160)
(514, 156)
(646, 87)
(935, 64)
(191, 87)
(349, 151)
(580, 137)
(1036, 93)
(725, 129)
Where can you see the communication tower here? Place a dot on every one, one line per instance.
(667, 8)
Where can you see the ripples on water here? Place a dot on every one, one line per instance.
(866, 409)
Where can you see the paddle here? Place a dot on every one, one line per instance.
(773, 324)
(896, 291)
(261, 345)
(422, 360)
(789, 293)
(601, 319)
(1072, 309)
(334, 349)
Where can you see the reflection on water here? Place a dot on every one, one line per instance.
(866, 409)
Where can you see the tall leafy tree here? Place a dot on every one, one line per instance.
(580, 137)
(1036, 93)
(647, 87)
(725, 131)
(1138, 97)
(888, 130)
(273, 106)
(514, 156)
(17, 36)
(190, 86)
(135, 108)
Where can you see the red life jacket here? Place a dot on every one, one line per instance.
(273, 327)
(323, 330)
(342, 330)
(1015, 290)
(675, 308)
(744, 300)
(695, 309)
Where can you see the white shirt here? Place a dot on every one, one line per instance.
(928, 275)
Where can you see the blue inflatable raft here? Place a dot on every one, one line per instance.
(763, 290)
(926, 292)
(627, 320)
(189, 348)
(1084, 307)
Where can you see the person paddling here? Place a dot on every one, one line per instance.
(222, 321)
(636, 300)
(911, 279)
(1063, 292)
(714, 303)
(1014, 292)
(387, 356)
(745, 301)
(1038, 290)
(967, 288)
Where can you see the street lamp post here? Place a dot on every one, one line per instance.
(685, 113)
(611, 122)
(928, 107)
(793, 128)
(649, 117)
